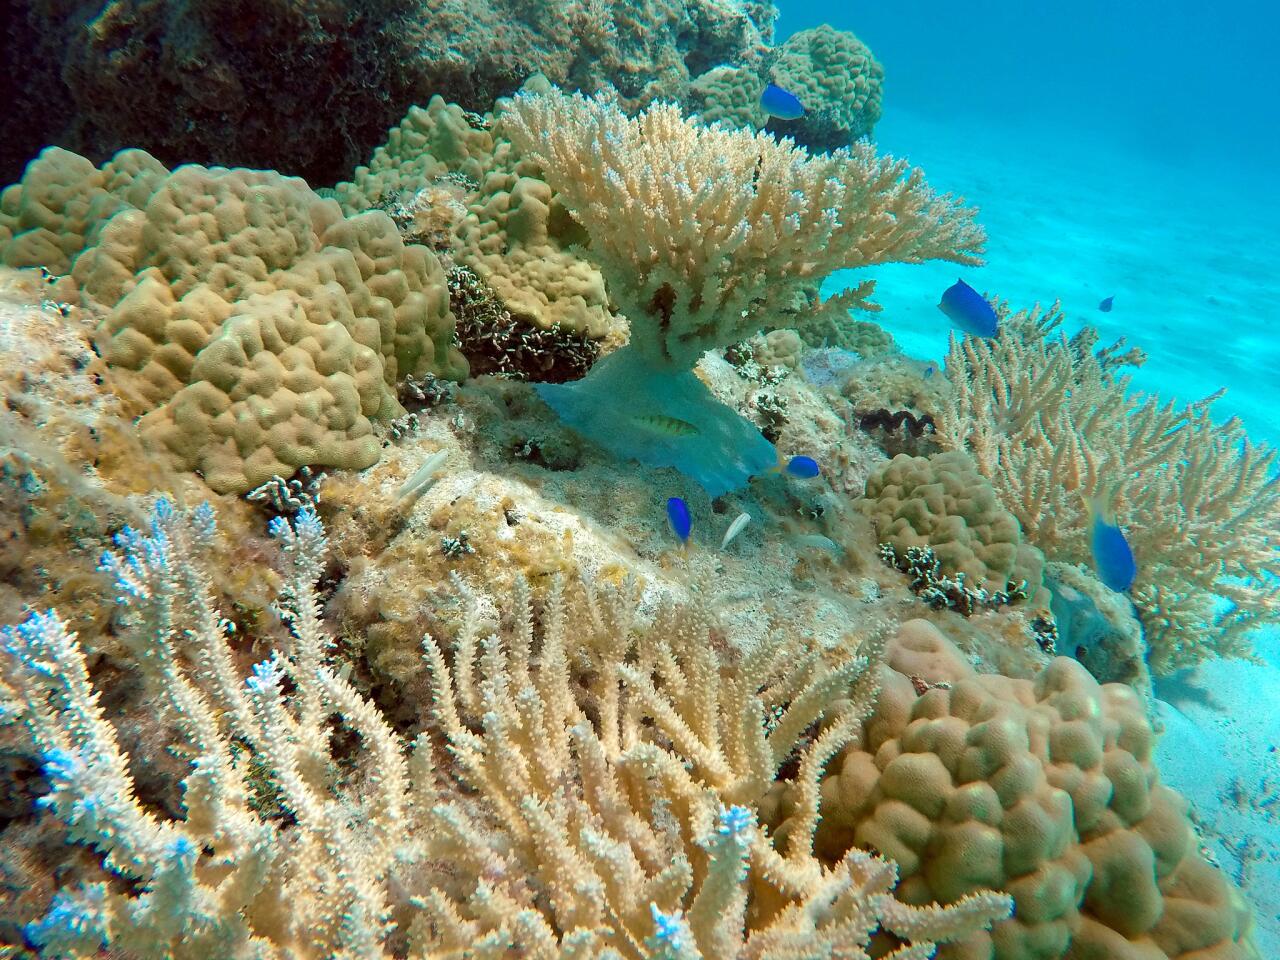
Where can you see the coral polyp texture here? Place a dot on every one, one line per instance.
(702, 232)
(837, 79)
(1052, 422)
(1042, 788)
(252, 326)
(943, 503)
(585, 789)
(512, 231)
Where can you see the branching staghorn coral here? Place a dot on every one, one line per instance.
(706, 235)
(1051, 423)
(585, 798)
(703, 232)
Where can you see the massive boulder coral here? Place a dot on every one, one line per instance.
(941, 502)
(1042, 788)
(252, 326)
(838, 81)
(512, 231)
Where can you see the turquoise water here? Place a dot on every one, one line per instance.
(1118, 152)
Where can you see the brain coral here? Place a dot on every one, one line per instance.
(942, 502)
(838, 81)
(1044, 789)
(254, 327)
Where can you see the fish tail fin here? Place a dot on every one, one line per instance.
(1100, 504)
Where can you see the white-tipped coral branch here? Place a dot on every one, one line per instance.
(589, 789)
(702, 232)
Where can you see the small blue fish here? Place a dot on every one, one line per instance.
(969, 310)
(806, 468)
(930, 369)
(781, 103)
(1105, 305)
(679, 519)
(1112, 556)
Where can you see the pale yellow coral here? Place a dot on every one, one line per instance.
(513, 232)
(943, 503)
(704, 232)
(729, 95)
(63, 199)
(1051, 424)
(836, 78)
(580, 790)
(1042, 788)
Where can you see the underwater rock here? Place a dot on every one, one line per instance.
(1097, 626)
(309, 88)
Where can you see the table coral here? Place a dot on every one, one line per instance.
(702, 232)
(252, 326)
(1043, 788)
(704, 235)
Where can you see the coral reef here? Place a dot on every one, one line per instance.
(837, 80)
(1042, 788)
(701, 234)
(702, 231)
(598, 791)
(308, 88)
(505, 224)
(943, 503)
(1097, 627)
(254, 328)
(728, 95)
(1052, 422)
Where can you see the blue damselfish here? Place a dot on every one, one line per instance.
(781, 103)
(678, 517)
(806, 468)
(969, 310)
(1112, 556)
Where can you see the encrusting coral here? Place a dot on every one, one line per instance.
(1052, 423)
(1042, 788)
(704, 235)
(587, 789)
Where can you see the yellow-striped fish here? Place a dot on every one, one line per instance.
(664, 425)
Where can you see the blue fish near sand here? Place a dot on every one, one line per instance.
(781, 103)
(679, 519)
(1112, 556)
(1106, 304)
(969, 310)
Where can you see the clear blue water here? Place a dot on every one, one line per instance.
(1127, 150)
